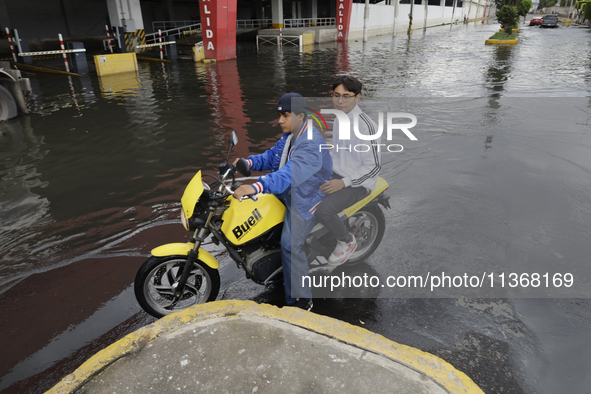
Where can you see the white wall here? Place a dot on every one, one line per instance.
(381, 17)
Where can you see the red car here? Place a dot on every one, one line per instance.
(536, 20)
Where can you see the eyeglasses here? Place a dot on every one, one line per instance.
(344, 98)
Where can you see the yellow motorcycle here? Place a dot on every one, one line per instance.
(179, 275)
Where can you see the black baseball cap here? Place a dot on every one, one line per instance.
(291, 102)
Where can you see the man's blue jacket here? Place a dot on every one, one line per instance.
(306, 169)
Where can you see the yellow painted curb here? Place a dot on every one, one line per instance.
(436, 369)
(511, 29)
(501, 42)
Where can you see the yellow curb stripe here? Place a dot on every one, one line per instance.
(501, 42)
(436, 369)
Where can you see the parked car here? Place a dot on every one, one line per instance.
(550, 21)
(536, 20)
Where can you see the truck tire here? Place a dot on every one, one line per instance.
(7, 105)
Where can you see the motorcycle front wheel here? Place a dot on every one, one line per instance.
(368, 225)
(157, 278)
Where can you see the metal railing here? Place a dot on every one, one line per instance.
(240, 24)
(177, 31)
(306, 22)
(165, 25)
(253, 23)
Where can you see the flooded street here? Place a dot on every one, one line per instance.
(499, 179)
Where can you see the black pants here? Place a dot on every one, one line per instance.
(328, 210)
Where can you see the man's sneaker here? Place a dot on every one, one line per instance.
(304, 304)
(342, 252)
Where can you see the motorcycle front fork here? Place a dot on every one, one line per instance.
(199, 237)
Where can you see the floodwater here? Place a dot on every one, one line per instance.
(91, 181)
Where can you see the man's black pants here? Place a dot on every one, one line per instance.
(329, 208)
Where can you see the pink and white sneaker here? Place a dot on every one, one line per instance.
(342, 252)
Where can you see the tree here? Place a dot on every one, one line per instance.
(501, 3)
(547, 3)
(524, 7)
(507, 17)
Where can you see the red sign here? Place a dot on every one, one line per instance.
(343, 19)
(218, 27)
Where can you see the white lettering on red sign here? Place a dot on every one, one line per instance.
(205, 9)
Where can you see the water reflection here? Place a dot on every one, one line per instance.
(118, 86)
(70, 92)
(98, 168)
(226, 101)
(21, 209)
(499, 70)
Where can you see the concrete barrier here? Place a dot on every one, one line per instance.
(307, 39)
(198, 53)
(277, 348)
(116, 63)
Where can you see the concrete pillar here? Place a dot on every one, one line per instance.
(343, 19)
(70, 17)
(277, 13)
(19, 38)
(314, 9)
(426, 14)
(4, 20)
(366, 20)
(257, 10)
(168, 7)
(218, 21)
(170, 50)
(126, 13)
(294, 11)
(396, 3)
(77, 59)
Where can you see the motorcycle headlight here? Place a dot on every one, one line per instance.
(184, 220)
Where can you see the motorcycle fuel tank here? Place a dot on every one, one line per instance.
(247, 219)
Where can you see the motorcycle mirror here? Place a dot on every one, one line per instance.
(233, 139)
(243, 167)
(233, 142)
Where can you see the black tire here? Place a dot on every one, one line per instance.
(8, 108)
(368, 224)
(164, 272)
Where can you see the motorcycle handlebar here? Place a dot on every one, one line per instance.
(253, 197)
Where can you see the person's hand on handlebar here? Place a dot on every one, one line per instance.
(244, 190)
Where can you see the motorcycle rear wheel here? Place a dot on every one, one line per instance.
(156, 281)
(368, 225)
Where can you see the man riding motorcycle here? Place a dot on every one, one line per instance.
(298, 168)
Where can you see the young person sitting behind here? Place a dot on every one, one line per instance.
(355, 173)
(299, 169)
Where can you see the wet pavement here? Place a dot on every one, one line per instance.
(91, 181)
(242, 346)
